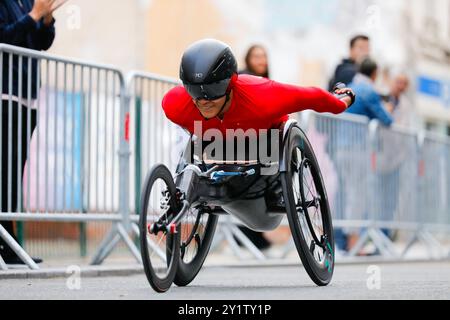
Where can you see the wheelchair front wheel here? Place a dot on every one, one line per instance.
(160, 249)
(308, 209)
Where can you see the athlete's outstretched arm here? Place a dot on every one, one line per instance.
(286, 99)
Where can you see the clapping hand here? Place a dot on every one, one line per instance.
(45, 8)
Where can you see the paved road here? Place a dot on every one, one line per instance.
(397, 281)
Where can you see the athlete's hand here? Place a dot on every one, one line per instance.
(346, 93)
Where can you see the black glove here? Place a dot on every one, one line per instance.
(348, 93)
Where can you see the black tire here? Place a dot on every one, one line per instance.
(160, 283)
(301, 161)
(190, 263)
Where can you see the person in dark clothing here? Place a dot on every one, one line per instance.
(256, 64)
(28, 24)
(346, 71)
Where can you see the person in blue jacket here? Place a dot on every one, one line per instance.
(28, 24)
(369, 102)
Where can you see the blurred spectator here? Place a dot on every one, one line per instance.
(346, 71)
(369, 102)
(392, 151)
(256, 62)
(398, 104)
(28, 24)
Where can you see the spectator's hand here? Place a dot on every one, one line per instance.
(49, 18)
(44, 9)
(41, 8)
(57, 4)
(389, 107)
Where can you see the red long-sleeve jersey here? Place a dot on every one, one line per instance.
(257, 103)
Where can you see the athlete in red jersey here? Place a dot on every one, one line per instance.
(255, 102)
(214, 94)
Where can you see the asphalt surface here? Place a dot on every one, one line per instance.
(356, 281)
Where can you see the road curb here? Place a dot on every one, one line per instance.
(123, 271)
(88, 271)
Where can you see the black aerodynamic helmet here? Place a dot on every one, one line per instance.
(207, 68)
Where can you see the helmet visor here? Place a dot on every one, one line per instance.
(211, 91)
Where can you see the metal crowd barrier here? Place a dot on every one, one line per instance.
(87, 138)
(433, 204)
(64, 151)
(383, 180)
(152, 137)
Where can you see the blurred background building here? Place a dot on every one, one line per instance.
(305, 39)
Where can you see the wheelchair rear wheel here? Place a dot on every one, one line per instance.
(197, 232)
(308, 209)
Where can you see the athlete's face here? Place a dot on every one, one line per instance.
(210, 108)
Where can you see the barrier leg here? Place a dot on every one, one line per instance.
(110, 248)
(433, 240)
(110, 242)
(380, 241)
(426, 239)
(129, 243)
(359, 245)
(246, 242)
(410, 243)
(22, 254)
(426, 242)
(387, 242)
(3, 265)
(374, 236)
(230, 239)
(433, 243)
(105, 247)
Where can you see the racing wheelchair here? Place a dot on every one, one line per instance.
(179, 214)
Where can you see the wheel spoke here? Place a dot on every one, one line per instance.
(310, 219)
(310, 192)
(195, 227)
(157, 245)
